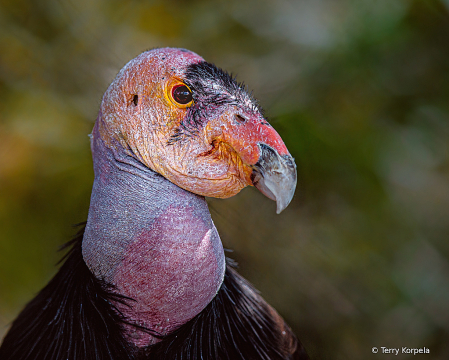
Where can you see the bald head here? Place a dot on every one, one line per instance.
(189, 121)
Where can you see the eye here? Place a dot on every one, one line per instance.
(181, 94)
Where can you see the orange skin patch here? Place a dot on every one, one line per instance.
(216, 162)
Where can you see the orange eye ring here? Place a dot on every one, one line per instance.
(180, 95)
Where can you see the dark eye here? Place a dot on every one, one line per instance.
(182, 94)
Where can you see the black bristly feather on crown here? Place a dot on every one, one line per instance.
(211, 89)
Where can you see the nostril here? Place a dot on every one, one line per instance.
(240, 118)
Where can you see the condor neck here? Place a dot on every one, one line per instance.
(153, 241)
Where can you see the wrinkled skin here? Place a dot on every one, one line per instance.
(214, 157)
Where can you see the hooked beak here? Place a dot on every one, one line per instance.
(275, 176)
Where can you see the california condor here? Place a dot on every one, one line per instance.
(147, 277)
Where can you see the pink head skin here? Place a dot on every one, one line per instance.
(156, 153)
(209, 145)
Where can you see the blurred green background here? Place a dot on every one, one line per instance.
(358, 89)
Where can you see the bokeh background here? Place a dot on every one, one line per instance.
(358, 89)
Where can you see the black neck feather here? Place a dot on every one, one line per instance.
(73, 318)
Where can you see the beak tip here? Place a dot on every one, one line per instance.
(279, 209)
(280, 206)
(284, 200)
(275, 177)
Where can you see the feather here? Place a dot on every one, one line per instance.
(74, 318)
(237, 325)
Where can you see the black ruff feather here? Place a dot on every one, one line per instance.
(237, 325)
(74, 318)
